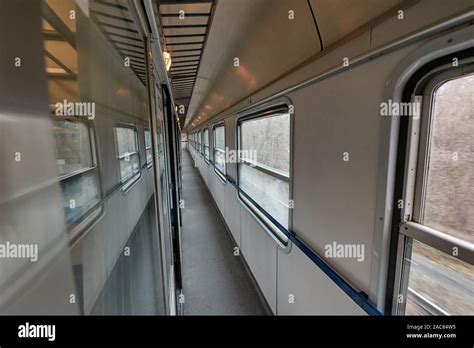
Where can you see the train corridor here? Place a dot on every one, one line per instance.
(215, 281)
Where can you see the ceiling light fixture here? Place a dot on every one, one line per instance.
(167, 60)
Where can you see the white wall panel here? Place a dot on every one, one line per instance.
(313, 292)
(232, 211)
(94, 265)
(113, 230)
(212, 185)
(219, 189)
(260, 252)
(335, 199)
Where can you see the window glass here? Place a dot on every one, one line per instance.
(264, 171)
(219, 137)
(148, 150)
(269, 139)
(199, 141)
(449, 198)
(127, 146)
(206, 144)
(438, 283)
(126, 141)
(271, 193)
(219, 149)
(160, 147)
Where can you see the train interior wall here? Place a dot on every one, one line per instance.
(338, 114)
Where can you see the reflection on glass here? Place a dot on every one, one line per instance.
(149, 154)
(80, 194)
(73, 147)
(127, 152)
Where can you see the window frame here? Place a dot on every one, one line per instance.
(416, 170)
(268, 110)
(127, 184)
(411, 226)
(220, 175)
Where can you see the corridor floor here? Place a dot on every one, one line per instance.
(215, 282)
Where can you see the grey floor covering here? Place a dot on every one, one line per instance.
(215, 282)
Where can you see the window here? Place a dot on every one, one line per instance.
(127, 148)
(205, 136)
(73, 146)
(148, 149)
(437, 274)
(199, 145)
(264, 165)
(160, 147)
(219, 151)
(449, 189)
(77, 170)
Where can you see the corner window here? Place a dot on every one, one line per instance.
(205, 141)
(437, 276)
(127, 150)
(219, 151)
(264, 165)
(148, 148)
